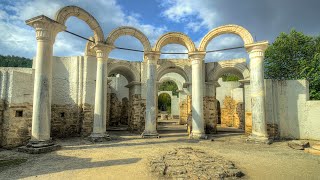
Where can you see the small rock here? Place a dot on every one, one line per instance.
(299, 145)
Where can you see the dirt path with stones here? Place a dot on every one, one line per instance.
(128, 157)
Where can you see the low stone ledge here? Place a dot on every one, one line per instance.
(39, 149)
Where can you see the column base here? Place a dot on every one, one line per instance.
(196, 135)
(37, 147)
(147, 134)
(99, 137)
(258, 139)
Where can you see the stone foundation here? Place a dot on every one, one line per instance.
(272, 130)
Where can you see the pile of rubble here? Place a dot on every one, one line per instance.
(189, 163)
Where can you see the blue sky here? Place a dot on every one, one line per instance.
(264, 19)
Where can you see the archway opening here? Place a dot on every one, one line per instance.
(128, 42)
(225, 41)
(164, 106)
(230, 103)
(174, 48)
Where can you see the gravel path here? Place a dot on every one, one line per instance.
(127, 156)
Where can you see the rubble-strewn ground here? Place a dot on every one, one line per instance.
(190, 163)
(128, 157)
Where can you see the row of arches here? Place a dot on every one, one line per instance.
(47, 29)
(172, 37)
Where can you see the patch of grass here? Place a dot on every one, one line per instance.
(6, 163)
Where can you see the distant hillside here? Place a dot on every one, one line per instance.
(15, 61)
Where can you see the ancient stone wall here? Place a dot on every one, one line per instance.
(86, 122)
(232, 113)
(185, 110)
(137, 113)
(248, 123)
(115, 110)
(210, 114)
(16, 124)
(65, 120)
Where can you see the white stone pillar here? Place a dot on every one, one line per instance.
(46, 31)
(197, 60)
(99, 122)
(151, 104)
(259, 127)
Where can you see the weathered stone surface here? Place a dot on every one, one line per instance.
(210, 114)
(299, 145)
(39, 150)
(189, 163)
(65, 120)
(312, 151)
(16, 131)
(232, 113)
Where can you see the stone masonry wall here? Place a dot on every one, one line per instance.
(115, 110)
(16, 124)
(137, 113)
(210, 114)
(185, 110)
(87, 120)
(65, 120)
(232, 113)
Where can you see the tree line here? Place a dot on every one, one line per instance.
(15, 61)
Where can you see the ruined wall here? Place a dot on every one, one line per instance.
(185, 110)
(232, 113)
(16, 106)
(210, 114)
(137, 113)
(66, 120)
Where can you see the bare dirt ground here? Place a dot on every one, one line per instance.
(127, 157)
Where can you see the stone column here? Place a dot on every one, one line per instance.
(151, 104)
(197, 60)
(46, 31)
(99, 122)
(259, 127)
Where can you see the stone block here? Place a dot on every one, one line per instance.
(298, 145)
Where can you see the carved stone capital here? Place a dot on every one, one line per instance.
(257, 49)
(102, 50)
(197, 56)
(152, 57)
(46, 28)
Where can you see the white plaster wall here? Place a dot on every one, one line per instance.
(237, 94)
(175, 105)
(16, 84)
(225, 89)
(311, 126)
(117, 86)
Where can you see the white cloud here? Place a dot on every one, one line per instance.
(196, 14)
(20, 39)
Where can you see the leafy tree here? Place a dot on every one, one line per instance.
(295, 56)
(15, 61)
(169, 86)
(164, 101)
(230, 77)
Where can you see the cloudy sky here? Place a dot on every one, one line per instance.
(265, 19)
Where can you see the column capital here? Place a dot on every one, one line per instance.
(102, 50)
(152, 56)
(257, 49)
(197, 55)
(46, 28)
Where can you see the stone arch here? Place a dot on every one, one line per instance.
(88, 51)
(237, 67)
(227, 29)
(64, 13)
(168, 67)
(124, 68)
(175, 38)
(178, 83)
(131, 31)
